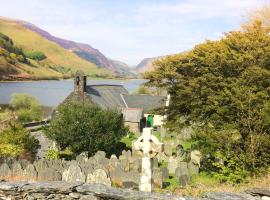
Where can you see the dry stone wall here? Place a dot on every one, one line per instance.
(60, 190)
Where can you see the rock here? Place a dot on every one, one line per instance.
(259, 191)
(5, 171)
(50, 187)
(74, 174)
(265, 198)
(99, 176)
(229, 196)
(89, 197)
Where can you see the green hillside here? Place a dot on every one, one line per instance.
(42, 58)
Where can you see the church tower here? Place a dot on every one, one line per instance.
(80, 82)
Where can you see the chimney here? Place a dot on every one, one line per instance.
(80, 82)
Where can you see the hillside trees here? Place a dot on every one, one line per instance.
(10, 51)
(27, 107)
(87, 128)
(223, 87)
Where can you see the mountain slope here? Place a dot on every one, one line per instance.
(84, 51)
(59, 62)
(147, 64)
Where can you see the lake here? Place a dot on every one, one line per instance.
(51, 93)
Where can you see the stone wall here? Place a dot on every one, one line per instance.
(68, 191)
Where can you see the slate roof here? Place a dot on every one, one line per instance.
(144, 101)
(132, 114)
(107, 96)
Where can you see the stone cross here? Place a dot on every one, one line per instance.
(148, 146)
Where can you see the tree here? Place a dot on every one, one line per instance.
(16, 141)
(87, 128)
(224, 87)
(27, 107)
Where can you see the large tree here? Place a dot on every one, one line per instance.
(224, 86)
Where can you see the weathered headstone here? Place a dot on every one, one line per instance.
(99, 176)
(30, 173)
(74, 174)
(4, 171)
(149, 146)
(173, 163)
(196, 156)
(193, 168)
(182, 174)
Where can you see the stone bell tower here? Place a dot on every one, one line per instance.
(80, 82)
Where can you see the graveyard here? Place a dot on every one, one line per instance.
(189, 121)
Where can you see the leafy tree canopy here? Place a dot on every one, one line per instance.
(223, 86)
(87, 128)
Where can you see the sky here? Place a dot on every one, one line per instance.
(130, 30)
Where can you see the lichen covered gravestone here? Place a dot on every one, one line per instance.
(148, 146)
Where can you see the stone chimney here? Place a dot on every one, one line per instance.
(80, 82)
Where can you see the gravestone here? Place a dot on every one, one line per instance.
(74, 174)
(99, 176)
(4, 171)
(182, 174)
(30, 173)
(148, 145)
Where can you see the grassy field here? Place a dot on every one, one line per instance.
(59, 61)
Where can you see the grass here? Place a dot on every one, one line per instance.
(56, 56)
(203, 184)
(128, 139)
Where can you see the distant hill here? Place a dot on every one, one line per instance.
(147, 64)
(62, 57)
(84, 51)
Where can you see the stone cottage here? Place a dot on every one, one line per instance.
(137, 110)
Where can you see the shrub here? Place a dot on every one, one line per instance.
(27, 107)
(16, 140)
(51, 154)
(86, 128)
(36, 55)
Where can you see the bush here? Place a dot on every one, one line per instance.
(27, 107)
(16, 140)
(36, 55)
(86, 128)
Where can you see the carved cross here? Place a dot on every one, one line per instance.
(148, 146)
